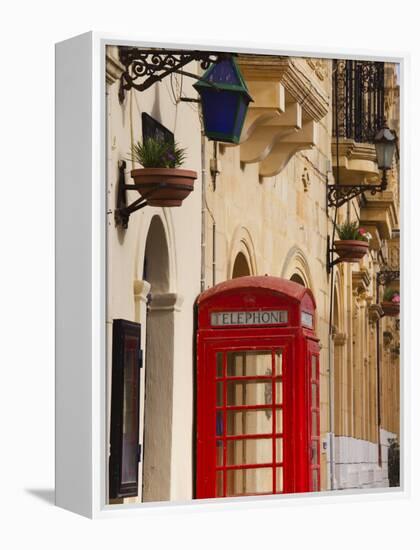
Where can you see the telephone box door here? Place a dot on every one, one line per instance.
(246, 419)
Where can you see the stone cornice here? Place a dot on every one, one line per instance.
(293, 75)
(357, 162)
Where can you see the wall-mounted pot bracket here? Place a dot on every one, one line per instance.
(123, 211)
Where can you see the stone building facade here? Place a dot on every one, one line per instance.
(258, 208)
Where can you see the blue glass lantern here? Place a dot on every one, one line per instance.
(224, 100)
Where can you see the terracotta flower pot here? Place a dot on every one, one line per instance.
(166, 186)
(351, 251)
(390, 309)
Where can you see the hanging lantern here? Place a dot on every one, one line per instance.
(224, 100)
(385, 144)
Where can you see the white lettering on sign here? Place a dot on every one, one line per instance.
(307, 319)
(226, 318)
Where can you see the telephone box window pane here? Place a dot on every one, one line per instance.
(314, 369)
(219, 423)
(219, 484)
(279, 421)
(314, 447)
(249, 451)
(249, 481)
(279, 480)
(315, 481)
(314, 423)
(314, 395)
(219, 365)
(249, 422)
(219, 452)
(130, 412)
(249, 363)
(249, 392)
(279, 449)
(278, 358)
(279, 393)
(219, 394)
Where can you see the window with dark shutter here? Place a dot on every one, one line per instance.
(125, 394)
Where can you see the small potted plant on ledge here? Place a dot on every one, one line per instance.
(391, 302)
(161, 180)
(353, 243)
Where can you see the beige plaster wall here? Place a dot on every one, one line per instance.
(172, 478)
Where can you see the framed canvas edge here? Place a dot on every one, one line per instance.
(99, 507)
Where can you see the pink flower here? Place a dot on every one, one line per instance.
(362, 231)
(395, 299)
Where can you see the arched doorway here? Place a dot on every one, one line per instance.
(157, 440)
(240, 266)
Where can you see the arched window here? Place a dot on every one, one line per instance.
(240, 267)
(297, 279)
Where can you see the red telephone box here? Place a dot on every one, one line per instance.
(257, 389)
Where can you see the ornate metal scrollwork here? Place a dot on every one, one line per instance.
(358, 101)
(385, 276)
(337, 195)
(145, 67)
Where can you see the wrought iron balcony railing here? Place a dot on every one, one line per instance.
(358, 99)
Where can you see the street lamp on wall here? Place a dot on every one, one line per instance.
(385, 145)
(224, 100)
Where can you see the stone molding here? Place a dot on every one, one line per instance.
(293, 75)
(169, 301)
(113, 66)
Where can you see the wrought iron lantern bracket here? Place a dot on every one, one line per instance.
(339, 194)
(145, 67)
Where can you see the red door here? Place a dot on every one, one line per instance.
(245, 419)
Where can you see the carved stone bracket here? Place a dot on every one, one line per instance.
(375, 313)
(361, 281)
(378, 214)
(293, 75)
(282, 120)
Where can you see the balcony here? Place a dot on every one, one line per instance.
(358, 113)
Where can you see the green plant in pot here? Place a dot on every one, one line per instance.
(391, 302)
(353, 242)
(161, 180)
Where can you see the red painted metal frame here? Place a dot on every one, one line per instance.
(298, 345)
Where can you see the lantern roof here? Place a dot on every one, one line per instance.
(224, 75)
